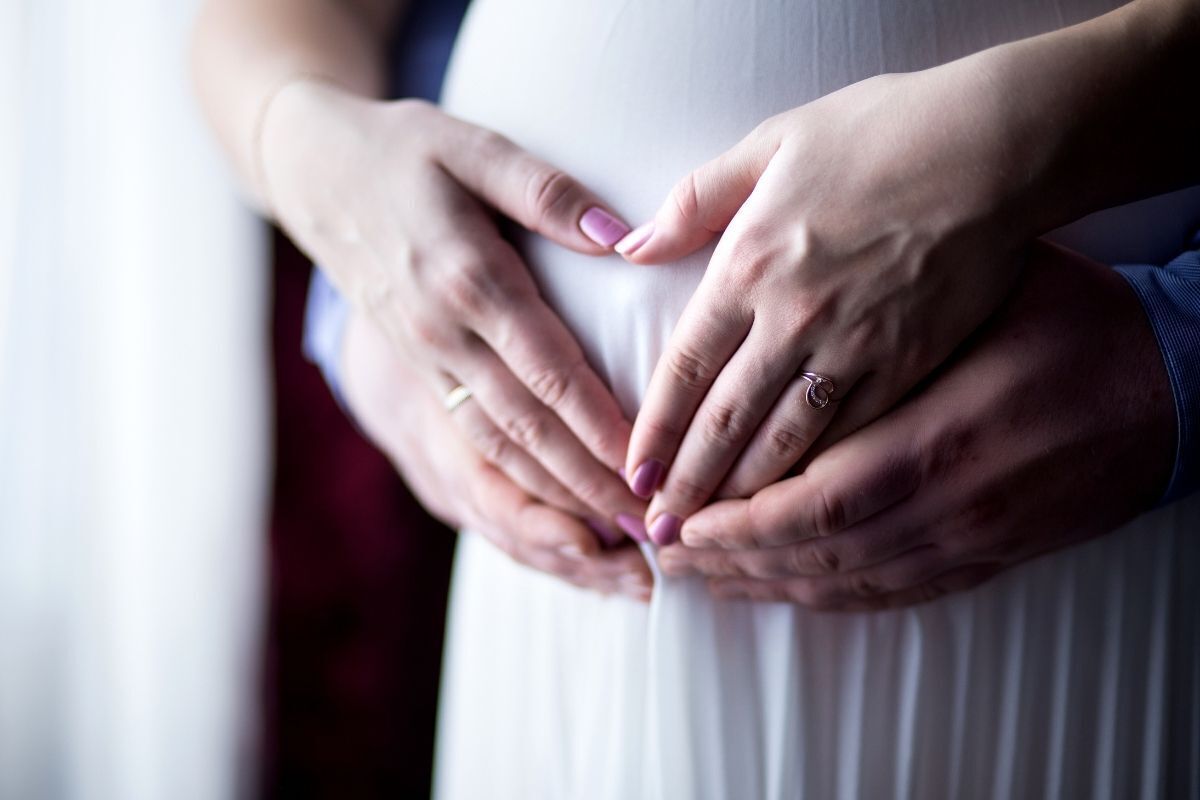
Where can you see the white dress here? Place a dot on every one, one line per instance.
(1074, 675)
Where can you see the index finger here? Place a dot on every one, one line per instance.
(536, 346)
(538, 195)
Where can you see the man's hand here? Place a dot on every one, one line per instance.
(460, 487)
(1055, 425)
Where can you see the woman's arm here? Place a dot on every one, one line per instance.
(396, 201)
(1098, 114)
(245, 51)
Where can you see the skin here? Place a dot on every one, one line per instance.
(916, 201)
(864, 236)
(338, 169)
(1055, 425)
(460, 486)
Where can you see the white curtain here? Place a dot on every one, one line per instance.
(133, 416)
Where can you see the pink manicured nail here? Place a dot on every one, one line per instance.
(665, 529)
(607, 536)
(602, 227)
(647, 477)
(636, 238)
(633, 526)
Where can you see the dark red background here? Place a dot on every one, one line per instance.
(358, 578)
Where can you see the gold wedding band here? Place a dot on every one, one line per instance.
(456, 397)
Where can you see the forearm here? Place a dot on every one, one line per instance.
(244, 51)
(1099, 114)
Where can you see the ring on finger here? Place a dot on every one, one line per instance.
(456, 397)
(820, 389)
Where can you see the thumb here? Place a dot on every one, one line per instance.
(701, 205)
(536, 195)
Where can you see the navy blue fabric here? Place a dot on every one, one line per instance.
(1171, 297)
(420, 54)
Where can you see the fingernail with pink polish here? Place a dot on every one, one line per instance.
(633, 526)
(635, 239)
(665, 529)
(647, 477)
(602, 227)
(607, 536)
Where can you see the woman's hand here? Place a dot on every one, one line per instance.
(865, 235)
(397, 201)
(1056, 426)
(461, 488)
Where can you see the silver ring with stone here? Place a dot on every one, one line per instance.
(820, 389)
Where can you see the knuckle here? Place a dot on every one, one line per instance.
(494, 446)
(528, 430)
(660, 428)
(690, 370)
(863, 585)
(687, 491)
(785, 441)
(590, 491)
(427, 332)
(822, 557)
(686, 197)
(551, 385)
(828, 514)
(468, 289)
(547, 192)
(725, 424)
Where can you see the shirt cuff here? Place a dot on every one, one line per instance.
(1171, 297)
(325, 317)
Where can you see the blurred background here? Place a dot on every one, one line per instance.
(210, 585)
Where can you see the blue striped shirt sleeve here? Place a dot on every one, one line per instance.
(325, 317)
(1171, 297)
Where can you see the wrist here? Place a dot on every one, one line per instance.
(306, 122)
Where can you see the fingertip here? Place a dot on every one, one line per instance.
(603, 228)
(647, 478)
(696, 535)
(633, 241)
(665, 529)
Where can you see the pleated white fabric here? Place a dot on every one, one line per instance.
(1076, 675)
